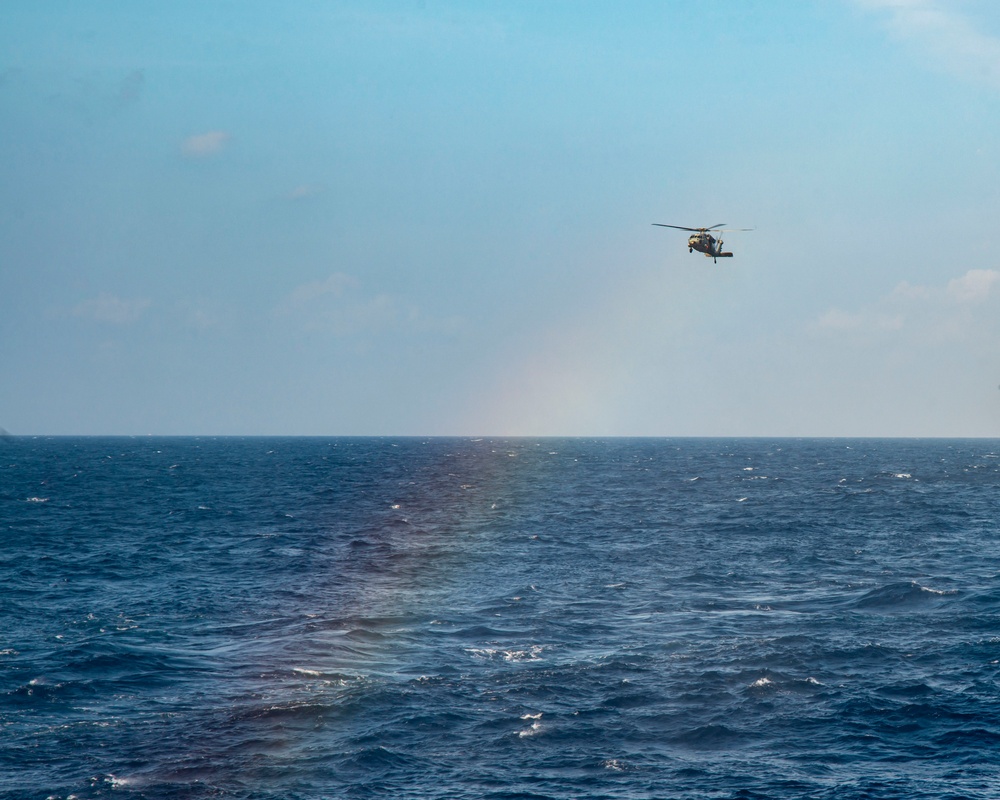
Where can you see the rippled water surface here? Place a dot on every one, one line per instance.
(457, 618)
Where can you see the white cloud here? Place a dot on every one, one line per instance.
(963, 309)
(907, 292)
(838, 319)
(335, 286)
(338, 305)
(975, 286)
(203, 145)
(954, 40)
(111, 309)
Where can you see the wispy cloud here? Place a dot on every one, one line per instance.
(339, 305)
(111, 309)
(954, 40)
(333, 287)
(836, 319)
(202, 314)
(964, 309)
(204, 145)
(304, 191)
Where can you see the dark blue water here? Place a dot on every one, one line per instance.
(453, 618)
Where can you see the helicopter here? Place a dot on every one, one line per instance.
(702, 241)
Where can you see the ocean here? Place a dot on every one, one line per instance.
(304, 618)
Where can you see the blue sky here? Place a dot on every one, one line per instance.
(435, 218)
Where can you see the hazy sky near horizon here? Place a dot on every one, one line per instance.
(429, 218)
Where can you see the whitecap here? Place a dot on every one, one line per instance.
(481, 652)
(532, 653)
(761, 682)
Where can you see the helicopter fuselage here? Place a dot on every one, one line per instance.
(707, 244)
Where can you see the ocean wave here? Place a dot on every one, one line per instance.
(900, 596)
(298, 637)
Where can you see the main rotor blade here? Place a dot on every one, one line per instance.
(696, 230)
